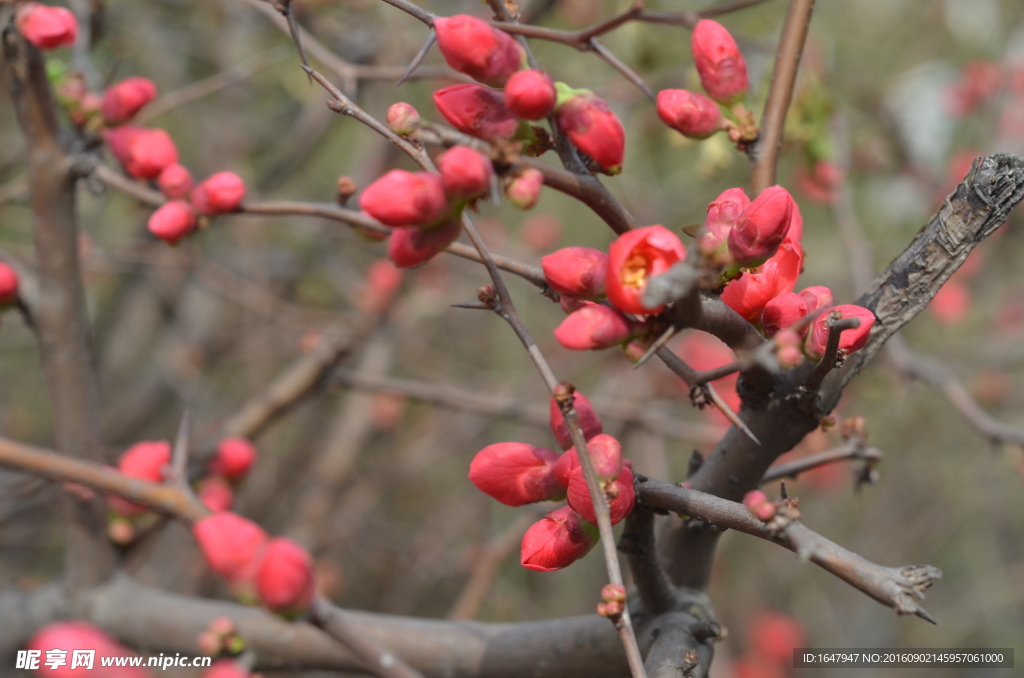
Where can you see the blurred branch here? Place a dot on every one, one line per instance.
(379, 661)
(59, 314)
(897, 587)
(773, 120)
(486, 564)
(853, 449)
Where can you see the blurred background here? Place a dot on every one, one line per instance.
(896, 97)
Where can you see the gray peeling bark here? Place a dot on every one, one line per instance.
(60, 319)
(979, 205)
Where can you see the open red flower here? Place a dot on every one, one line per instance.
(633, 259)
(751, 292)
(557, 540)
(515, 473)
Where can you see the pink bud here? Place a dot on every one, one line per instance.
(523, 190)
(951, 303)
(787, 348)
(748, 294)
(557, 540)
(816, 297)
(621, 492)
(606, 453)
(209, 645)
(401, 198)
(781, 312)
(761, 227)
(226, 668)
(234, 458)
(403, 118)
(46, 27)
(172, 221)
(850, 340)
(382, 282)
(285, 580)
(723, 71)
(466, 173)
(219, 194)
(8, 284)
(146, 460)
(691, 114)
(576, 271)
(408, 247)
(541, 232)
(773, 637)
(473, 47)
(143, 152)
(515, 473)
(589, 422)
(754, 498)
(593, 328)
(216, 494)
(175, 181)
(122, 101)
(530, 94)
(591, 126)
(477, 111)
(721, 217)
(633, 259)
(78, 635)
(232, 546)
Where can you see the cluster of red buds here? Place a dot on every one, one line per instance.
(517, 474)
(221, 637)
(275, 572)
(723, 75)
(492, 57)
(148, 154)
(150, 461)
(79, 635)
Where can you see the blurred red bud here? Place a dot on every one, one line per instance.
(465, 172)
(175, 181)
(403, 118)
(722, 68)
(401, 198)
(46, 27)
(123, 100)
(408, 247)
(523, 190)
(477, 111)
(221, 193)
(216, 494)
(285, 581)
(172, 221)
(691, 114)
(8, 284)
(232, 546)
(473, 47)
(233, 459)
(78, 635)
(530, 94)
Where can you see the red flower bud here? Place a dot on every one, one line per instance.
(816, 297)
(523, 190)
(122, 101)
(774, 636)
(748, 294)
(621, 492)
(724, 212)
(78, 635)
(232, 546)
(589, 421)
(530, 94)
(285, 580)
(172, 221)
(143, 152)
(145, 461)
(175, 181)
(850, 340)
(515, 473)
(576, 271)
(692, 115)
(408, 247)
(557, 540)
(46, 27)
(8, 285)
(466, 173)
(633, 259)
(382, 282)
(781, 312)
(951, 303)
(234, 458)
(723, 71)
(401, 198)
(591, 126)
(757, 502)
(761, 227)
(477, 111)
(594, 327)
(219, 194)
(402, 118)
(473, 47)
(787, 348)
(216, 494)
(606, 453)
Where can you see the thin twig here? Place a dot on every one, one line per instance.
(380, 661)
(830, 360)
(787, 61)
(844, 452)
